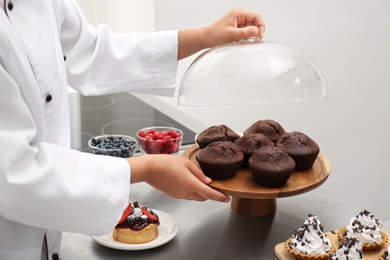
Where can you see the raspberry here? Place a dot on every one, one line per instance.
(158, 135)
(154, 149)
(173, 134)
(151, 131)
(167, 138)
(141, 134)
(160, 144)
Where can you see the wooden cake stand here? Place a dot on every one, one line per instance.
(251, 199)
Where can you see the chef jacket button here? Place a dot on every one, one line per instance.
(49, 98)
(64, 57)
(10, 5)
(55, 257)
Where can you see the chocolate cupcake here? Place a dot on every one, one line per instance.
(301, 148)
(271, 166)
(250, 143)
(270, 128)
(220, 160)
(215, 133)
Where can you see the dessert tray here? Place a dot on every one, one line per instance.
(251, 199)
(282, 254)
(167, 230)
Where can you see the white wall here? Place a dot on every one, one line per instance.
(350, 41)
(123, 15)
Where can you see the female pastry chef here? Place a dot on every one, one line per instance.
(45, 186)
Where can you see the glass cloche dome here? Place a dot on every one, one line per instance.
(251, 72)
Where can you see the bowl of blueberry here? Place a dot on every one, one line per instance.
(113, 145)
(160, 140)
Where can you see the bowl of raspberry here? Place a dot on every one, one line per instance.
(160, 140)
(113, 145)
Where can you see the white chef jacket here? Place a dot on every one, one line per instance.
(45, 187)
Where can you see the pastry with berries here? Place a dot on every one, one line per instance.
(137, 225)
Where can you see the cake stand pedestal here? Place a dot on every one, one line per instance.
(253, 207)
(251, 199)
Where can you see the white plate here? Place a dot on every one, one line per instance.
(167, 230)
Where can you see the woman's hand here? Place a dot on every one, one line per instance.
(176, 176)
(235, 25)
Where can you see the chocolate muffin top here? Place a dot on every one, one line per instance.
(221, 153)
(297, 143)
(216, 133)
(271, 160)
(270, 128)
(252, 142)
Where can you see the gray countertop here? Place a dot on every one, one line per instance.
(211, 230)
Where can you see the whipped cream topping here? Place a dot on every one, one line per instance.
(351, 248)
(365, 227)
(310, 239)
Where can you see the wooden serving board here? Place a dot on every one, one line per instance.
(243, 186)
(282, 254)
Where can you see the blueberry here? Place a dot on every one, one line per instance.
(130, 219)
(144, 218)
